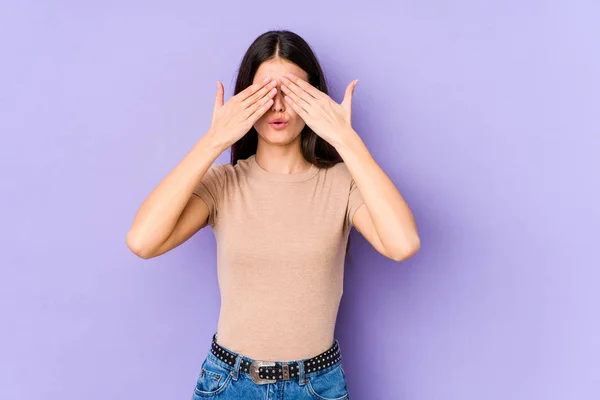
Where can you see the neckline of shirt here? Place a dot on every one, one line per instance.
(259, 171)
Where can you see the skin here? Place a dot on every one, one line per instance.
(385, 220)
(172, 214)
(279, 150)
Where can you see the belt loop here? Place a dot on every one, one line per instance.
(301, 372)
(235, 373)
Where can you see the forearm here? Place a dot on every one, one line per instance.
(392, 218)
(157, 216)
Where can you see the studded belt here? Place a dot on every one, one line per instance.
(263, 372)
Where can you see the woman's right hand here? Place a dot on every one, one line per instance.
(232, 120)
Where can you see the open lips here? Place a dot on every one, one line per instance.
(278, 123)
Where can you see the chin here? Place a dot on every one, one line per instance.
(278, 139)
(281, 137)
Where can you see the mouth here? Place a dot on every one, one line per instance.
(278, 125)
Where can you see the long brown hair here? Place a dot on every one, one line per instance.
(289, 46)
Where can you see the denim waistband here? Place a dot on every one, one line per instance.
(304, 368)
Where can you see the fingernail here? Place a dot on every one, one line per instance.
(267, 79)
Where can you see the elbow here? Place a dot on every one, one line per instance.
(407, 250)
(137, 247)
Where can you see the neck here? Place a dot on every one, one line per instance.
(281, 159)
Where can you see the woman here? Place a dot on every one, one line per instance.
(281, 211)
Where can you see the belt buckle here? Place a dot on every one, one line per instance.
(254, 366)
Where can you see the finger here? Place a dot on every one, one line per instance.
(299, 110)
(307, 87)
(297, 90)
(258, 104)
(298, 98)
(260, 111)
(250, 90)
(219, 96)
(347, 101)
(267, 90)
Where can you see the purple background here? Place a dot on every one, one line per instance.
(486, 115)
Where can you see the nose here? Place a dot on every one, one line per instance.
(278, 101)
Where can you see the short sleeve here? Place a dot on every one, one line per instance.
(355, 200)
(210, 190)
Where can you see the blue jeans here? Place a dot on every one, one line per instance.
(220, 380)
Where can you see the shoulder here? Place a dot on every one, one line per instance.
(227, 172)
(223, 168)
(341, 168)
(339, 172)
(218, 171)
(336, 178)
(227, 169)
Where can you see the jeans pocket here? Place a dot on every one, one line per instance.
(330, 385)
(214, 379)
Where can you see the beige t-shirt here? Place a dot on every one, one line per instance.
(281, 242)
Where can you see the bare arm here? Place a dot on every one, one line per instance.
(386, 221)
(171, 214)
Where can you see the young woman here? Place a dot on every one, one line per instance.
(281, 211)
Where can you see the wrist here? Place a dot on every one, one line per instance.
(214, 141)
(348, 142)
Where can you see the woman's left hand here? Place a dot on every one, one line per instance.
(328, 119)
